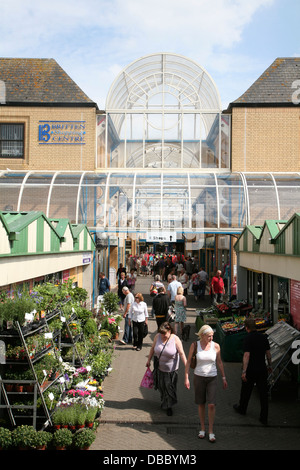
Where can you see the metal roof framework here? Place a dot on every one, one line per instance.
(164, 111)
(142, 201)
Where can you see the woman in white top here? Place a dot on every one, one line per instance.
(205, 377)
(138, 314)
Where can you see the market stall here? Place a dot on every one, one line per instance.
(227, 319)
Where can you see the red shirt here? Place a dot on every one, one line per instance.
(217, 285)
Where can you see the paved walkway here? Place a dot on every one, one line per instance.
(133, 420)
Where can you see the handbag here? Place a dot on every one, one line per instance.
(171, 315)
(194, 359)
(147, 380)
(145, 330)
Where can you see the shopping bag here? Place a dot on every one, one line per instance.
(147, 380)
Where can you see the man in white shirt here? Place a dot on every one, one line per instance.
(128, 301)
(203, 276)
(172, 288)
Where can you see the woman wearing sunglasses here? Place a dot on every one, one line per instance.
(138, 315)
(168, 348)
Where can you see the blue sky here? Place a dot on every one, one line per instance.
(234, 40)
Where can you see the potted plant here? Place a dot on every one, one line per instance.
(42, 439)
(81, 413)
(110, 302)
(62, 438)
(83, 439)
(23, 436)
(5, 438)
(90, 416)
(57, 418)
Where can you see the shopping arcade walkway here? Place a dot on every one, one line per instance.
(132, 418)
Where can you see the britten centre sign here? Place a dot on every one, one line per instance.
(62, 132)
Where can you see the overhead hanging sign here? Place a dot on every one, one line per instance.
(62, 132)
(161, 237)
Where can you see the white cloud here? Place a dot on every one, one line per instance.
(93, 40)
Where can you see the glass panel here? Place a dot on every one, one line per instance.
(210, 141)
(289, 200)
(101, 126)
(263, 204)
(225, 140)
(10, 185)
(204, 208)
(35, 193)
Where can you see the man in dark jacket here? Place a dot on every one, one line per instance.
(160, 306)
(255, 371)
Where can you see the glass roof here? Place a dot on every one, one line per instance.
(139, 202)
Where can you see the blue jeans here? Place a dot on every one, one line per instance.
(127, 337)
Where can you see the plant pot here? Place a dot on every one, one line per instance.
(90, 425)
(80, 426)
(9, 387)
(60, 448)
(72, 427)
(29, 388)
(56, 426)
(19, 388)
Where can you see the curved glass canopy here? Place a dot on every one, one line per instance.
(139, 202)
(164, 111)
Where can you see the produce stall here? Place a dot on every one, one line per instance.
(227, 319)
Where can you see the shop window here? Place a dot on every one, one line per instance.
(12, 140)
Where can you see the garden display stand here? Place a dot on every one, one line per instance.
(73, 341)
(7, 397)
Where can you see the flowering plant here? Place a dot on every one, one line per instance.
(111, 323)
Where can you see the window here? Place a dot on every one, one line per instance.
(12, 140)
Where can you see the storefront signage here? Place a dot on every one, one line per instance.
(62, 132)
(161, 237)
(295, 302)
(86, 259)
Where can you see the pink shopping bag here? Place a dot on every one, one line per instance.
(147, 380)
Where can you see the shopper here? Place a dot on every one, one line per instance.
(183, 278)
(255, 371)
(122, 282)
(168, 348)
(155, 285)
(203, 278)
(217, 287)
(138, 317)
(104, 284)
(172, 288)
(160, 306)
(208, 359)
(180, 310)
(128, 301)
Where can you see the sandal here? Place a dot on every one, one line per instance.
(201, 434)
(212, 437)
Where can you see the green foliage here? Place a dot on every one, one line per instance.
(62, 438)
(90, 327)
(5, 438)
(23, 436)
(42, 438)
(84, 438)
(110, 302)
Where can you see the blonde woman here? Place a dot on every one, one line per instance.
(180, 310)
(208, 358)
